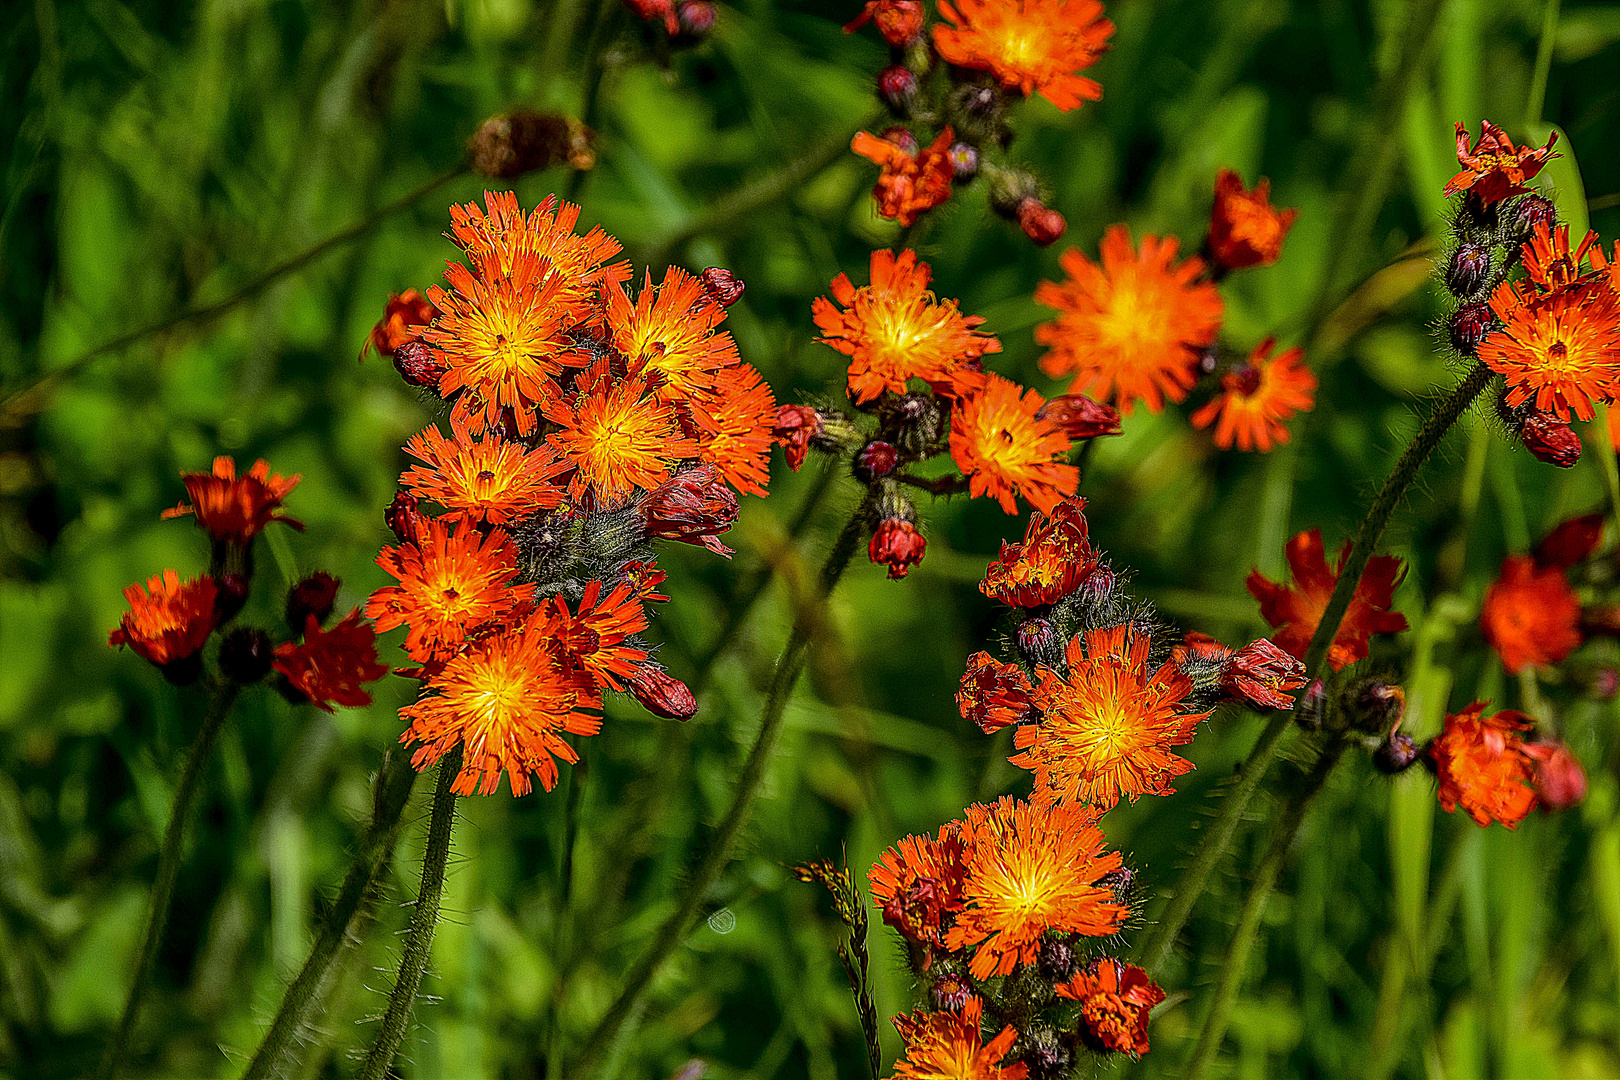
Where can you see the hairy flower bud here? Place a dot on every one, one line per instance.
(1528, 212)
(404, 518)
(897, 544)
(1468, 270)
(1056, 960)
(1376, 706)
(899, 21)
(1010, 189)
(315, 596)
(245, 654)
(896, 86)
(1550, 440)
(695, 17)
(661, 693)
(694, 506)
(1079, 417)
(417, 365)
(724, 287)
(964, 159)
(1045, 1055)
(1395, 754)
(509, 145)
(1469, 325)
(912, 421)
(1038, 643)
(875, 460)
(1262, 674)
(950, 993)
(1040, 223)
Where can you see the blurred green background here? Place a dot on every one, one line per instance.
(160, 155)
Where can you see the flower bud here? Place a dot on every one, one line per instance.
(417, 365)
(245, 654)
(1527, 213)
(1558, 778)
(509, 145)
(903, 138)
(1056, 960)
(796, 427)
(1120, 882)
(724, 287)
(1079, 417)
(896, 86)
(1395, 754)
(1045, 1055)
(1040, 223)
(899, 21)
(1263, 675)
(1604, 683)
(184, 671)
(964, 159)
(405, 314)
(979, 102)
(1038, 643)
(1313, 709)
(1376, 706)
(1010, 189)
(912, 421)
(875, 460)
(897, 544)
(1550, 440)
(1469, 325)
(315, 596)
(695, 17)
(232, 595)
(661, 693)
(950, 993)
(694, 506)
(404, 519)
(1468, 270)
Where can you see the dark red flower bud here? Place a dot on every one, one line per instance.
(950, 993)
(1468, 270)
(899, 21)
(1038, 643)
(1469, 325)
(404, 518)
(1550, 440)
(796, 426)
(964, 159)
(1530, 211)
(1045, 1055)
(417, 365)
(509, 145)
(695, 17)
(694, 506)
(897, 544)
(1040, 223)
(245, 654)
(1377, 706)
(875, 460)
(184, 671)
(903, 138)
(1395, 754)
(1079, 417)
(1120, 882)
(1571, 542)
(1056, 960)
(315, 596)
(896, 86)
(231, 595)
(1263, 674)
(662, 693)
(724, 287)
(1605, 683)
(1098, 585)
(1559, 780)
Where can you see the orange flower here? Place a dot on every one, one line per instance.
(405, 313)
(1132, 328)
(453, 581)
(1244, 228)
(670, 330)
(1054, 559)
(1257, 397)
(507, 701)
(1115, 1000)
(912, 182)
(894, 330)
(1496, 169)
(1530, 616)
(503, 241)
(1034, 46)
(1032, 867)
(917, 884)
(1005, 450)
(1296, 610)
(332, 666)
(487, 479)
(993, 694)
(1110, 724)
(167, 622)
(735, 420)
(1560, 351)
(618, 438)
(1482, 766)
(1549, 262)
(233, 508)
(592, 638)
(951, 1046)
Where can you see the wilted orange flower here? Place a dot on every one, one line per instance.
(233, 508)
(1032, 867)
(993, 694)
(453, 581)
(1295, 610)
(593, 635)
(951, 1046)
(1560, 351)
(618, 437)
(405, 314)
(507, 701)
(1530, 616)
(1244, 228)
(735, 422)
(694, 506)
(1496, 169)
(1263, 675)
(917, 884)
(1109, 725)
(503, 241)
(1132, 328)
(1055, 557)
(1035, 46)
(1004, 450)
(1257, 397)
(332, 666)
(894, 330)
(1115, 1001)
(670, 330)
(898, 544)
(911, 183)
(167, 621)
(488, 479)
(1482, 766)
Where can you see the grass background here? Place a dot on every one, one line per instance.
(162, 155)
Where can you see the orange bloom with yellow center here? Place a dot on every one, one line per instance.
(488, 479)
(1006, 450)
(670, 330)
(1132, 328)
(951, 1046)
(1244, 228)
(1481, 764)
(619, 438)
(1256, 399)
(1109, 725)
(1115, 1002)
(1033, 46)
(912, 182)
(894, 330)
(1054, 559)
(498, 243)
(507, 702)
(735, 420)
(917, 884)
(1531, 616)
(1032, 867)
(453, 581)
(1559, 351)
(167, 621)
(1495, 169)
(1297, 609)
(236, 508)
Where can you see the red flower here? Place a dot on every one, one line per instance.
(1051, 563)
(1079, 417)
(1244, 228)
(994, 694)
(1262, 674)
(236, 508)
(1496, 169)
(1482, 765)
(899, 21)
(405, 312)
(1115, 1000)
(917, 884)
(167, 622)
(911, 183)
(694, 506)
(1530, 616)
(897, 544)
(1556, 773)
(331, 666)
(796, 427)
(1297, 609)
(1571, 542)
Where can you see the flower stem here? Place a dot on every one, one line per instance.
(222, 697)
(674, 929)
(424, 920)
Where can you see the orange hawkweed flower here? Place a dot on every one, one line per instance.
(619, 438)
(1549, 262)
(593, 635)
(236, 508)
(405, 314)
(502, 241)
(488, 479)
(1257, 397)
(1005, 450)
(167, 621)
(452, 581)
(1132, 328)
(894, 330)
(1109, 725)
(735, 420)
(1297, 609)
(951, 1046)
(994, 695)
(670, 330)
(507, 701)
(1560, 351)
(1032, 867)
(1035, 46)
(1054, 559)
(332, 666)
(1482, 766)
(1115, 1000)
(917, 884)
(1496, 169)
(1530, 616)
(1244, 228)
(912, 182)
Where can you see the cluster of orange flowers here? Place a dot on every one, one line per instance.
(916, 365)
(587, 418)
(1011, 912)
(169, 621)
(1532, 615)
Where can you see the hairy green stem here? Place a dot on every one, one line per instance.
(424, 920)
(674, 929)
(221, 698)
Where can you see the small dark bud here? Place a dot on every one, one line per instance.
(1529, 211)
(405, 518)
(896, 86)
(1079, 417)
(662, 693)
(1395, 754)
(1469, 325)
(1120, 881)
(901, 137)
(1038, 642)
(913, 422)
(1045, 1056)
(231, 594)
(1469, 269)
(1040, 223)
(245, 655)
(875, 460)
(964, 159)
(1056, 960)
(315, 596)
(979, 102)
(417, 365)
(724, 287)
(950, 993)
(1377, 706)
(696, 17)
(1550, 440)
(509, 145)
(184, 671)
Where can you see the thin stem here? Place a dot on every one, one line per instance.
(222, 697)
(1535, 104)
(1248, 926)
(355, 899)
(595, 73)
(424, 920)
(675, 927)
